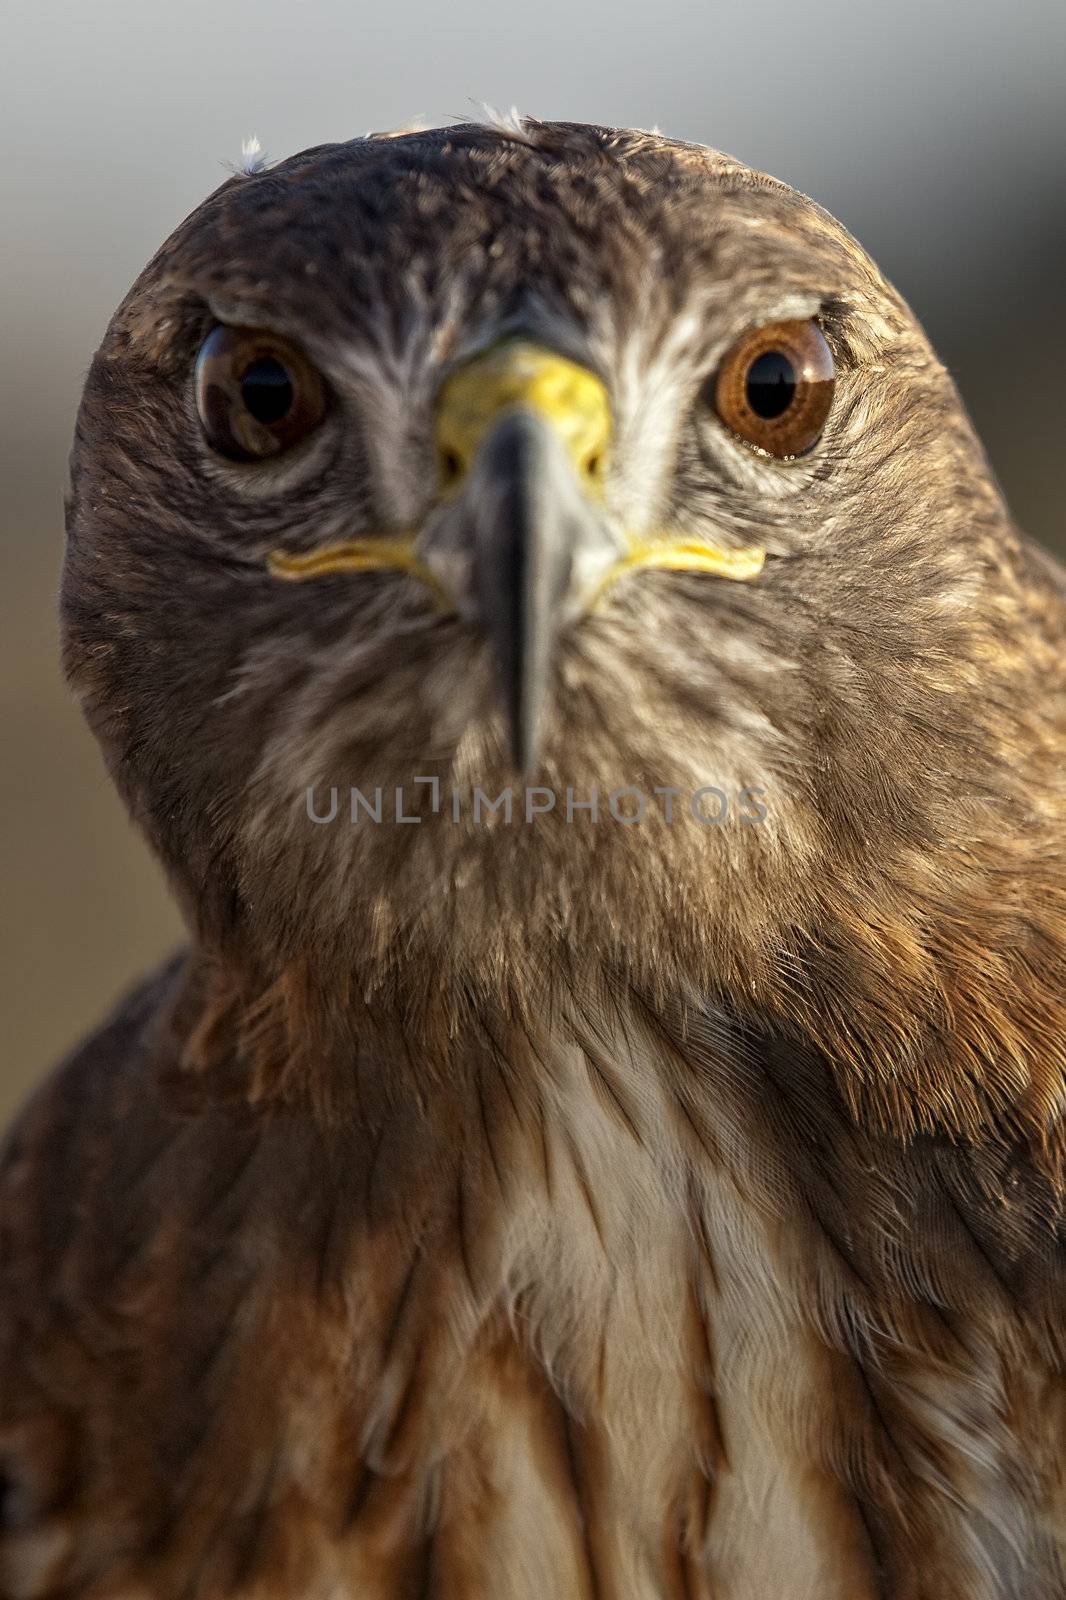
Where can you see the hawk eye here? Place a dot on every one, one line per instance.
(774, 388)
(256, 393)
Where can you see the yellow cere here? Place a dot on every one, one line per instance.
(519, 375)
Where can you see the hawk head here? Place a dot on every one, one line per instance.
(561, 460)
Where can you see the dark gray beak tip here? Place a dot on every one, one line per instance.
(528, 512)
(526, 692)
(526, 749)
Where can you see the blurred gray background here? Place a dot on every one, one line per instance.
(935, 130)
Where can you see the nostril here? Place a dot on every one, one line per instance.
(451, 467)
(594, 466)
(9, 1500)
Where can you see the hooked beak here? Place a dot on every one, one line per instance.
(520, 542)
(522, 538)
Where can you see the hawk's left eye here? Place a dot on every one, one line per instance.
(256, 393)
(775, 386)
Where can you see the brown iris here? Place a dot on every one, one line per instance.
(774, 388)
(256, 393)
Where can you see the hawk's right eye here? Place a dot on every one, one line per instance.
(256, 393)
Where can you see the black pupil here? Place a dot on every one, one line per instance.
(266, 390)
(771, 384)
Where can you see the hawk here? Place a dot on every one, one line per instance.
(544, 603)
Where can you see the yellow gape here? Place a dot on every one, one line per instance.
(677, 553)
(394, 553)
